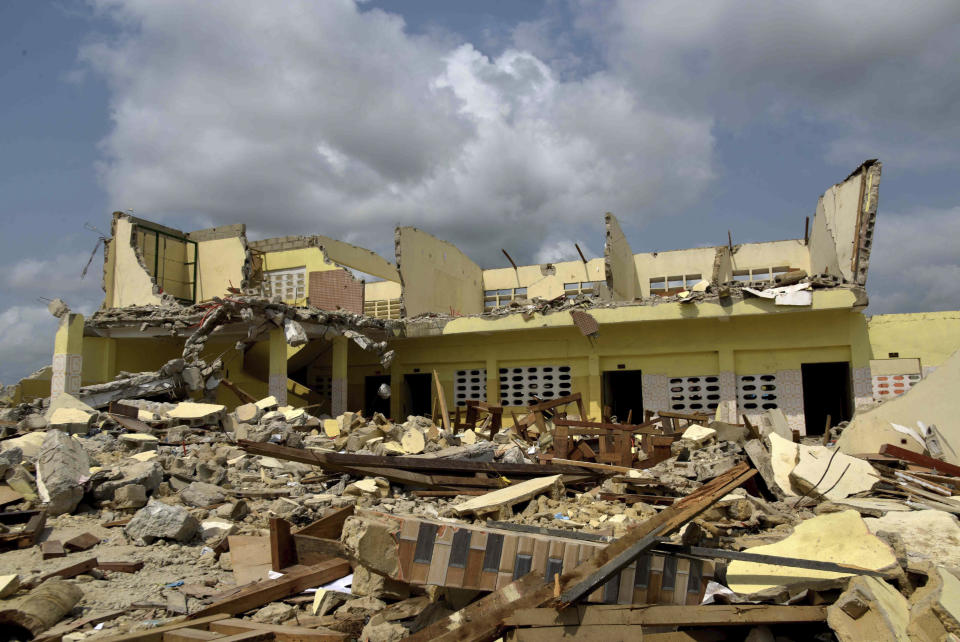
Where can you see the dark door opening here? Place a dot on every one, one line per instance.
(372, 402)
(826, 391)
(623, 392)
(418, 399)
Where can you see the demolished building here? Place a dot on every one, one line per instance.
(731, 330)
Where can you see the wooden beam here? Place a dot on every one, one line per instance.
(442, 401)
(73, 570)
(668, 615)
(282, 551)
(156, 633)
(297, 579)
(317, 458)
(280, 632)
(242, 394)
(921, 460)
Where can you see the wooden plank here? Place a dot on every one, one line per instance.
(448, 493)
(190, 635)
(156, 634)
(483, 620)
(282, 551)
(442, 401)
(242, 394)
(922, 460)
(635, 499)
(71, 571)
(120, 567)
(607, 468)
(281, 633)
(667, 615)
(250, 556)
(461, 466)
(297, 579)
(82, 542)
(52, 548)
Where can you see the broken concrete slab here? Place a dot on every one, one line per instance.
(267, 404)
(202, 494)
(248, 413)
(773, 422)
(66, 400)
(699, 435)
(139, 441)
(834, 537)
(929, 535)
(62, 467)
(504, 498)
(71, 420)
(148, 474)
(130, 496)
(825, 473)
(216, 528)
(331, 428)
(28, 444)
(157, 520)
(870, 609)
(9, 584)
(197, 414)
(784, 455)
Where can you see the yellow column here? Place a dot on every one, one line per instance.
(67, 356)
(595, 387)
(338, 401)
(493, 381)
(278, 366)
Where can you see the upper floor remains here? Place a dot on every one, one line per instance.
(150, 264)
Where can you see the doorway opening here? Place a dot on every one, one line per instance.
(826, 391)
(623, 393)
(418, 399)
(372, 402)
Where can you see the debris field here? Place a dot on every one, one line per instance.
(131, 518)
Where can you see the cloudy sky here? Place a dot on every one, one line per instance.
(490, 124)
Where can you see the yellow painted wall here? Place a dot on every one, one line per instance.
(311, 258)
(220, 266)
(359, 258)
(790, 253)
(620, 266)
(678, 347)
(436, 276)
(929, 336)
(131, 284)
(381, 290)
(673, 263)
(545, 286)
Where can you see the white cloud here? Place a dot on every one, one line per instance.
(914, 264)
(26, 341)
(304, 116)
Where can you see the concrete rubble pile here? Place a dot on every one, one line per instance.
(266, 518)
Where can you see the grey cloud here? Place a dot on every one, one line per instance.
(881, 72)
(315, 117)
(914, 265)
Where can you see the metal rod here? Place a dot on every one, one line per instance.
(580, 252)
(509, 258)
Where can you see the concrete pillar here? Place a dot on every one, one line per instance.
(278, 366)
(594, 388)
(338, 395)
(727, 408)
(493, 381)
(67, 356)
